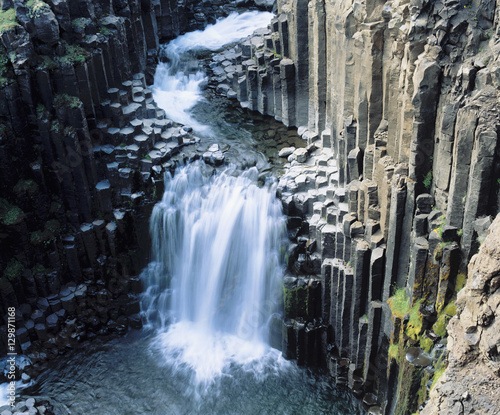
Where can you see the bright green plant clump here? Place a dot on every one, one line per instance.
(399, 303)
(75, 54)
(428, 180)
(7, 20)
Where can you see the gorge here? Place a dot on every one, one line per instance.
(378, 262)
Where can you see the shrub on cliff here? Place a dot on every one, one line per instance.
(7, 20)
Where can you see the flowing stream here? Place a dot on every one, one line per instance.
(211, 289)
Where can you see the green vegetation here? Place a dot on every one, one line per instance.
(426, 344)
(39, 269)
(428, 180)
(450, 309)
(62, 100)
(7, 20)
(414, 326)
(46, 236)
(399, 303)
(10, 214)
(295, 301)
(438, 253)
(422, 391)
(13, 270)
(3, 69)
(104, 30)
(56, 126)
(437, 374)
(28, 187)
(394, 352)
(36, 8)
(47, 63)
(439, 326)
(276, 55)
(80, 23)
(75, 54)
(460, 282)
(439, 229)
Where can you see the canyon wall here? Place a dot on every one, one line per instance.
(398, 184)
(387, 204)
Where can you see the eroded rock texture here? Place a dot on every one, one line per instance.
(471, 381)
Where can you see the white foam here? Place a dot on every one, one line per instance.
(177, 84)
(216, 242)
(224, 32)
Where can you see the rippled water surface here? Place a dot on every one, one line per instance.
(124, 377)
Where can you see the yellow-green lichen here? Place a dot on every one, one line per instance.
(422, 391)
(460, 282)
(426, 344)
(450, 309)
(439, 326)
(37, 8)
(399, 303)
(394, 352)
(414, 326)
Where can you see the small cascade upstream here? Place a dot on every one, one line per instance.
(178, 81)
(214, 280)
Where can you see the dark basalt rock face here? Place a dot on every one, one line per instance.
(388, 202)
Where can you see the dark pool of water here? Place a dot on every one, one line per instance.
(125, 377)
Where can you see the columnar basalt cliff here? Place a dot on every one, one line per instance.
(398, 102)
(387, 204)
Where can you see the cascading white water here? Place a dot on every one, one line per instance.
(214, 280)
(177, 82)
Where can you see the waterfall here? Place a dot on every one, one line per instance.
(178, 81)
(214, 280)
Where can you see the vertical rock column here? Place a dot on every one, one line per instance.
(287, 77)
(317, 66)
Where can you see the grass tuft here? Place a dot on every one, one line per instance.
(8, 20)
(399, 303)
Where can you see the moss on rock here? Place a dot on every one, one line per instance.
(8, 20)
(10, 214)
(399, 303)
